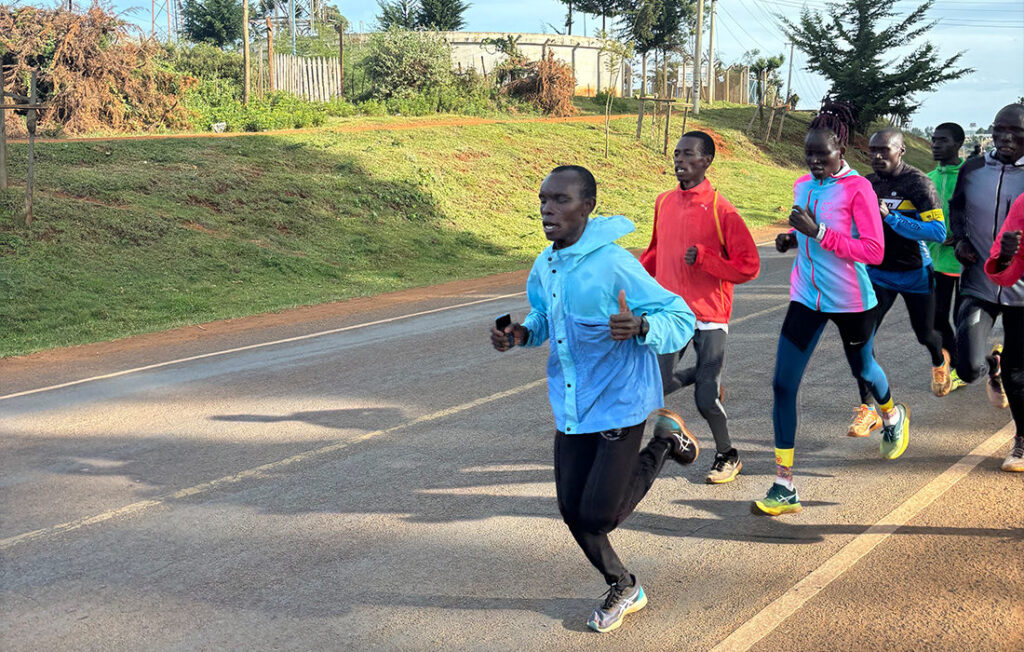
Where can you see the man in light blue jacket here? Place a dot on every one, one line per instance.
(606, 320)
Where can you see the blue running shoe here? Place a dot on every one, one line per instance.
(619, 601)
(683, 446)
(779, 500)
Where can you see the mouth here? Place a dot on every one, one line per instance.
(549, 227)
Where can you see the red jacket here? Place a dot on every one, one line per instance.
(683, 218)
(1015, 271)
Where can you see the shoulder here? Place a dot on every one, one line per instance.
(972, 165)
(857, 183)
(802, 180)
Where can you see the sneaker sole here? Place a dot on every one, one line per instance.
(996, 400)
(675, 418)
(759, 508)
(635, 607)
(853, 432)
(1016, 466)
(906, 438)
(730, 478)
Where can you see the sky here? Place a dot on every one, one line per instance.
(991, 34)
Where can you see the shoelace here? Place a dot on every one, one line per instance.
(719, 463)
(1018, 447)
(613, 595)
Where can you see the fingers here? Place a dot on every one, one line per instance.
(623, 307)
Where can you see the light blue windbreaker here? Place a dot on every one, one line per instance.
(596, 383)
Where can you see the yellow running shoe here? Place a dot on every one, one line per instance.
(865, 421)
(779, 500)
(896, 437)
(956, 382)
(942, 379)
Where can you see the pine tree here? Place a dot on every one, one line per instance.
(398, 13)
(217, 22)
(853, 50)
(442, 15)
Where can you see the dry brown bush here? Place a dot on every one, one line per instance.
(547, 84)
(92, 72)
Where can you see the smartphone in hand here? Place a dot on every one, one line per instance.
(503, 322)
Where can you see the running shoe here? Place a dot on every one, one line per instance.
(779, 500)
(725, 468)
(683, 446)
(994, 387)
(896, 437)
(1014, 462)
(942, 379)
(619, 601)
(956, 382)
(865, 421)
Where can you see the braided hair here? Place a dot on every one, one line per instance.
(836, 117)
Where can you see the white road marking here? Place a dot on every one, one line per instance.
(256, 346)
(258, 471)
(766, 620)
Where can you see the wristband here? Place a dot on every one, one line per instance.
(821, 232)
(645, 326)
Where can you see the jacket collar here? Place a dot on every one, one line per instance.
(598, 232)
(948, 169)
(701, 189)
(990, 159)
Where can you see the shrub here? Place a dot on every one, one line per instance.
(403, 63)
(205, 61)
(548, 85)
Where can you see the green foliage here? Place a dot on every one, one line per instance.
(402, 63)
(443, 15)
(204, 61)
(400, 14)
(217, 22)
(216, 100)
(856, 53)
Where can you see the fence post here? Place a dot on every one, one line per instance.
(31, 124)
(270, 55)
(341, 61)
(668, 118)
(640, 118)
(3, 135)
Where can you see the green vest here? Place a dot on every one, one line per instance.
(944, 178)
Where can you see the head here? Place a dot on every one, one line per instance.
(1008, 133)
(947, 139)
(567, 198)
(886, 149)
(693, 156)
(827, 138)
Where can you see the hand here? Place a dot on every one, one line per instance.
(965, 253)
(499, 339)
(690, 258)
(785, 241)
(625, 324)
(882, 208)
(802, 219)
(1009, 245)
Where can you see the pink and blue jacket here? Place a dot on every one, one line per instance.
(831, 275)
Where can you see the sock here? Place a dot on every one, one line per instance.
(891, 415)
(784, 467)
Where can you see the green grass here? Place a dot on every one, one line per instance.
(144, 235)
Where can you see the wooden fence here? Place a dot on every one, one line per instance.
(314, 78)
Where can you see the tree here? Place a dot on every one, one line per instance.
(398, 13)
(766, 69)
(604, 8)
(851, 49)
(217, 22)
(442, 15)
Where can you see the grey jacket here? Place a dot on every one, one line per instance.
(984, 192)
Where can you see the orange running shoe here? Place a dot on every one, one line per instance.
(865, 421)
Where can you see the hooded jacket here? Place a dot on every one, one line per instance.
(596, 383)
(985, 190)
(685, 218)
(943, 256)
(831, 276)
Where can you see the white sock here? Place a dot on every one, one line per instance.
(891, 417)
(785, 482)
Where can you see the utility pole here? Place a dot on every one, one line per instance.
(696, 58)
(712, 77)
(785, 101)
(291, 22)
(245, 51)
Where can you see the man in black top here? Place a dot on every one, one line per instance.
(911, 212)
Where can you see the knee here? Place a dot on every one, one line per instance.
(784, 390)
(706, 397)
(970, 372)
(596, 520)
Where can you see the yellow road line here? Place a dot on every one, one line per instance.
(792, 600)
(258, 471)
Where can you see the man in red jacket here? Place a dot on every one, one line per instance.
(700, 248)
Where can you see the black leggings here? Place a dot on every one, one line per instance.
(706, 374)
(947, 305)
(921, 308)
(973, 328)
(599, 479)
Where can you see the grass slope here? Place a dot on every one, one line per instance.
(137, 236)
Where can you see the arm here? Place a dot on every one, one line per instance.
(1005, 266)
(931, 227)
(649, 257)
(957, 213)
(743, 263)
(536, 323)
(870, 246)
(670, 321)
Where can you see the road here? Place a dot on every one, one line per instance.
(378, 477)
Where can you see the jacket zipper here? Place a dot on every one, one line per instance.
(995, 225)
(807, 245)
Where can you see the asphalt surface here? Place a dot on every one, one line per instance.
(389, 486)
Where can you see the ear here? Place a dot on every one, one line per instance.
(842, 151)
(589, 204)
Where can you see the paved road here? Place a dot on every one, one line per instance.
(388, 486)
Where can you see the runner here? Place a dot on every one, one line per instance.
(701, 247)
(947, 139)
(911, 212)
(985, 189)
(836, 231)
(1005, 267)
(603, 377)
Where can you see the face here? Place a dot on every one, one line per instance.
(690, 161)
(823, 154)
(1008, 134)
(944, 146)
(563, 212)
(886, 151)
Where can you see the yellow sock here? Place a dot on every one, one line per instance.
(887, 406)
